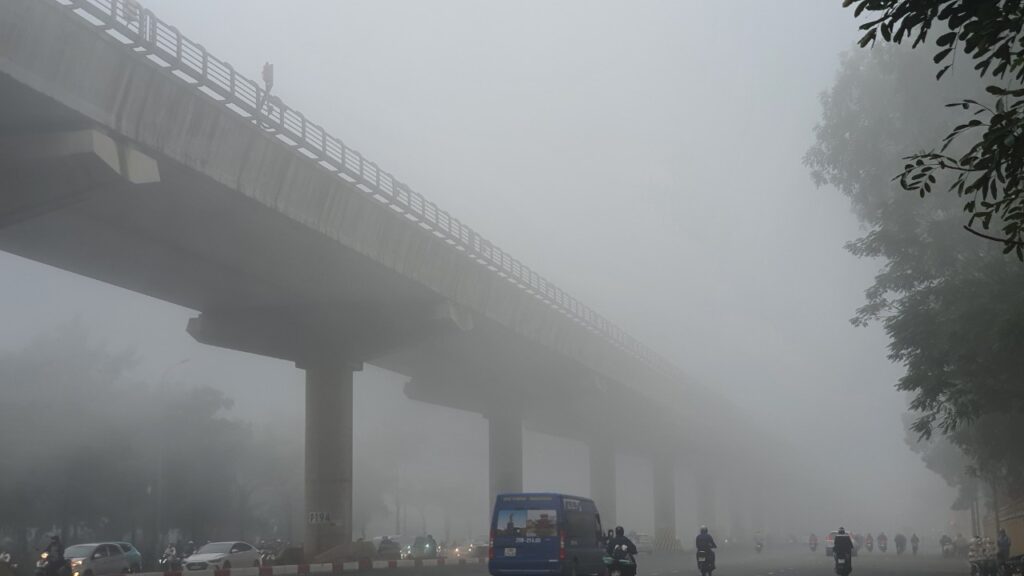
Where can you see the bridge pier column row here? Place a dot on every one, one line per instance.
(328, 483)
(665, 503)
(706, 513)
(602, 481)
(505, 454)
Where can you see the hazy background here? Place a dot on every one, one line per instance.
(646, 156)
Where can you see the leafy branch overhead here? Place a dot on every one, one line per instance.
(985, 154)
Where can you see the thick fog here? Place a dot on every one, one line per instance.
(646, 157)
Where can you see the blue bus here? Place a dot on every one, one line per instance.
(543, 533)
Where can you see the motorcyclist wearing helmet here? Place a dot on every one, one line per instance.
(842, 546)
(54, 555)
(621, 540)
(706, 543)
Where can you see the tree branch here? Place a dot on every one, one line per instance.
(990, 237)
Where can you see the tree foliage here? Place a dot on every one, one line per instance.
(984, 154)
(952, 307)
(95, 455)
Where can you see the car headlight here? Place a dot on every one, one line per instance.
(76, 563)
(44, 555)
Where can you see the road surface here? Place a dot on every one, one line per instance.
(733, 563)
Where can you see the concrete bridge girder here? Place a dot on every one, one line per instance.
(46, 172)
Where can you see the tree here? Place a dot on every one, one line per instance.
(988, 168)
(953, 308)
(91, 452)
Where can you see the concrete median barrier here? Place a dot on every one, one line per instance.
(327, 568)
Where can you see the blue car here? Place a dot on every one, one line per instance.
(545, 534)
(133, 555)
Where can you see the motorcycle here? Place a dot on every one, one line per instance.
(843, 567)
(870, 545)
(705, 563)
(620, 562)
(758, 546)
(268, 556)
(814, 545)
(913, 548)
(948, 550)
(882, 546)
(170, 562)
(47, 567)
(7, 568)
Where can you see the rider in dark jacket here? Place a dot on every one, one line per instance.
(707, 543)
(621, 540)
(842, 545)
(54, 556)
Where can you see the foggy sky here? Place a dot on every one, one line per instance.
(645, 156)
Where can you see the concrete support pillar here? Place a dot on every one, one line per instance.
(706, 514)
(737, 530)
(328, 460)
(505, 432)
(665, 503)
(602, 481)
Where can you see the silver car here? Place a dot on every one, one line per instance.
(223, 556)
(99, 559)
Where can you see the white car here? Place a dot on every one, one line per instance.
(223, 556)
(96, 559)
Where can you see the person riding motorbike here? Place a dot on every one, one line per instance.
(621, 540)
(622, 551)
(706, 543)
(813, 541)
(54, 556)
(960, 545)
(914, 542)
(842, 548)
(869, 542)
(901, 543)
(883, 542)
(170, 560)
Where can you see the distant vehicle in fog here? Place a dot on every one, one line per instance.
(134, 556)
(545, 534)
(422, 548)
(389, 549)
(223, 556)
(96, 559)
(474, 548)
(644, 542)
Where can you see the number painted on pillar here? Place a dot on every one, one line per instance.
(320, 518)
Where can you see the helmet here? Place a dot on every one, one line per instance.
(703, 529)
(619, 530)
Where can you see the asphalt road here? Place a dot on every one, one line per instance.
(734, 563)
(803, 564)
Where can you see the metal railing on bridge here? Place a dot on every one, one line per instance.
(139, 29)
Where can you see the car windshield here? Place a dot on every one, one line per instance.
(79, 551)
(216, 548)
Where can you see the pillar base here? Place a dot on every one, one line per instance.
(665, 504)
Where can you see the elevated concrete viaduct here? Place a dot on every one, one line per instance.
(131, 155)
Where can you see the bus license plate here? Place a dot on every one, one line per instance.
(510, 551)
